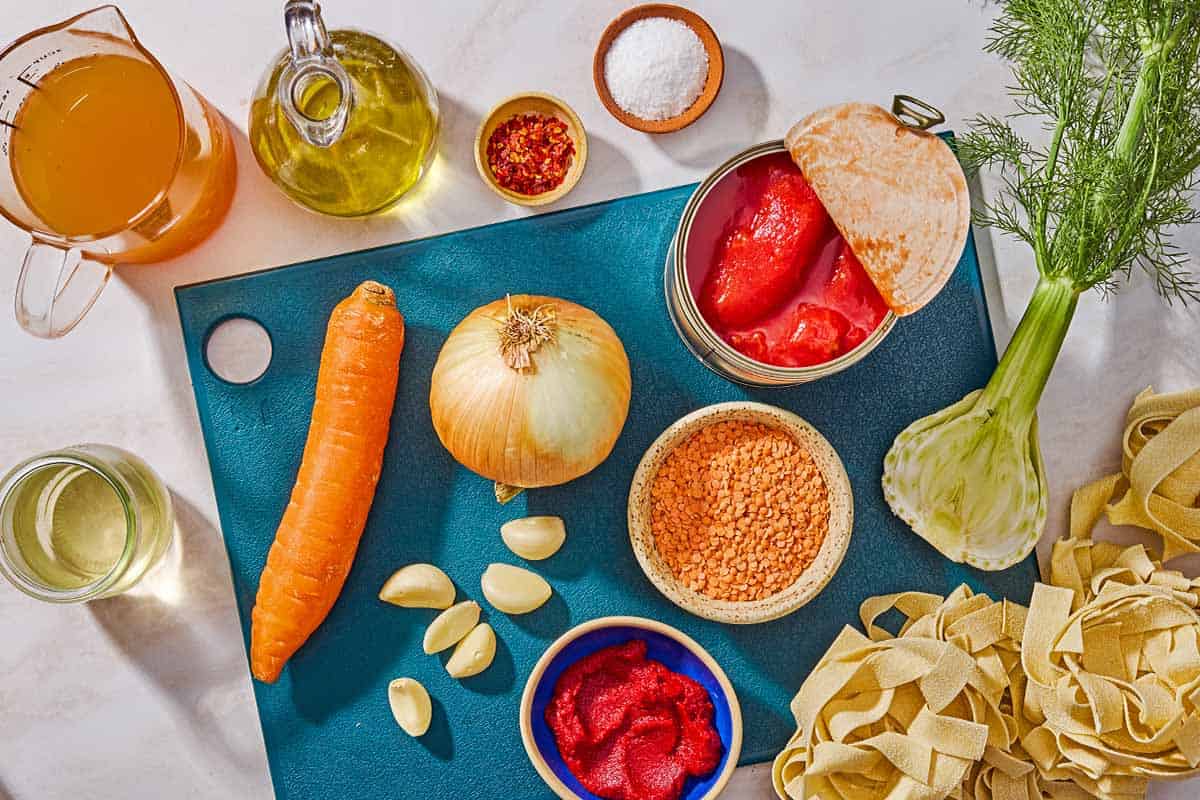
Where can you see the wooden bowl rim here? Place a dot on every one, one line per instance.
(539, 670)
(712, 83)
(809, 584)
(575, 130)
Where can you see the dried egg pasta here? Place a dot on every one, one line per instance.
(1160, 473)
(1113, 665)
(919, 716)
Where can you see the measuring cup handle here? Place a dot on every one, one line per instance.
(56, 288)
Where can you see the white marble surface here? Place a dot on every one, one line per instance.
(149, 696)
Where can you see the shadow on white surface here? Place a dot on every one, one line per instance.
(609, 173)
(751, 783)
(735, 121)
(985, 254)
(159, 629)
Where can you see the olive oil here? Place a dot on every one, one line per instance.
(386, 146)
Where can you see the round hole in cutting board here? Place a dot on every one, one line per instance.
(238, 350)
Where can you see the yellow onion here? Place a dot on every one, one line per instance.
(530, 391)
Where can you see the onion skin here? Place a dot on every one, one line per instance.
(544, 425)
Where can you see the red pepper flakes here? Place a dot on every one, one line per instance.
(530, 153)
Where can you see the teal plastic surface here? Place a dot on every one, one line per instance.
(328, 730)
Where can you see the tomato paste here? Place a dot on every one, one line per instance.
(783, 287)
(628, 728)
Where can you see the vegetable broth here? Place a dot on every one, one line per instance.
(96, 143)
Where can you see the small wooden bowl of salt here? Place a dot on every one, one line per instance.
(658, 67)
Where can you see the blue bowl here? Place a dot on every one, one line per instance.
(675, 650)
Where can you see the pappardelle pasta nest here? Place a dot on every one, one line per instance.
(916, 716)
(1114, 670)
(1091, 692)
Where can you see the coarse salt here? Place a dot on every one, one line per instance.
(656, 68)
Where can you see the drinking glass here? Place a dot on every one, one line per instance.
(82, 523)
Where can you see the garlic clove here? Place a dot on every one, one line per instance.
(534, 538)
(450, 626)
(474, 653)
(418, 586)
(514, 590)
(411, 706)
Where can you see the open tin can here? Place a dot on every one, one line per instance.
(704, 342)
(698, 236)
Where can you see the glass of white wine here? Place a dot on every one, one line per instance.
(82, 523)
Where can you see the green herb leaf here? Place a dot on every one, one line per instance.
(1116, 83)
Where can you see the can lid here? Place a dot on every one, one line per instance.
(897, 194)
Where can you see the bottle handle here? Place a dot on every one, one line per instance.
(312, 59)
(56, 288)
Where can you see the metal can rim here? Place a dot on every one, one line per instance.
(771, 375)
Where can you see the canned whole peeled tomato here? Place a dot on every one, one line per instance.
(697, 234)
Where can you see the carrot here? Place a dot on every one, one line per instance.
(321, 527)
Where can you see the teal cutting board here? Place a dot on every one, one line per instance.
(328, 730)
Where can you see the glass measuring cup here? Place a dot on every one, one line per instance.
(111, 160)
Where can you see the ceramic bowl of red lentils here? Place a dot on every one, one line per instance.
(531, 149)
(740, 512)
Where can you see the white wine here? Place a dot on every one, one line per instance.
(69, 525)
(92, 516)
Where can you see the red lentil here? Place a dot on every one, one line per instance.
(530, 153)
(738, 511)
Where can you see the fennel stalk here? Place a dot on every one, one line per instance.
(1116, 85)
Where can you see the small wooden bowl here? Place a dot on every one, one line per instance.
(532, 103)
(712, 84)
(669, 646)
(811, 581)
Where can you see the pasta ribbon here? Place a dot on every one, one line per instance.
(1159, 482)
(1112, 658)
(923, 715)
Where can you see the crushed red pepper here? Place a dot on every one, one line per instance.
(530, 153)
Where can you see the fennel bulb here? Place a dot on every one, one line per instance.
(1117, 84)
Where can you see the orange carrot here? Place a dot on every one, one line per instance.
(315, 544)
